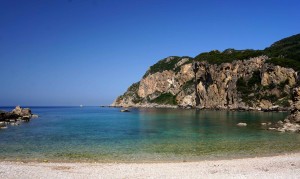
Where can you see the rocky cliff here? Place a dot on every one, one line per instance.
(232, 79)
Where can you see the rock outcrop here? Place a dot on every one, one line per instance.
(242, 84)
(292, 122)
(295, 113)
(16, 116)
(232, 79)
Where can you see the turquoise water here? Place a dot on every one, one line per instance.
(142, 135)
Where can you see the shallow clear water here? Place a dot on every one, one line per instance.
(142, 135)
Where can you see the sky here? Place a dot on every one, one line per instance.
(72, 52)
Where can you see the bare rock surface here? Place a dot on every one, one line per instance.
(292, 122)
(250, 84)
(15, 117)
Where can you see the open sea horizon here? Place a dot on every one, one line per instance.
(100, 134)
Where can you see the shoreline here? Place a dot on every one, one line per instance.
(181, 160)
(281, 166)
(158, 106)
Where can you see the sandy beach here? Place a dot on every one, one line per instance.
(283, 166)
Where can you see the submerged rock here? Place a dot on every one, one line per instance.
(34, 116)
(279, 122)
(272, 128)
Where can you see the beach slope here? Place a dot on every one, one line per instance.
(283, 166)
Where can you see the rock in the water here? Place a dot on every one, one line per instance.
(292, 122)
(125, 110)
(15, 123)
(17, 111)
(2, 124)
(26, 112)
(15, 116)
(280, 130)
(34, 116)
(26, 118)
(241, 124)
(291, 127)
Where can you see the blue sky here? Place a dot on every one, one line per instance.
(71, 52)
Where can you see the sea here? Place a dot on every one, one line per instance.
(99, 134)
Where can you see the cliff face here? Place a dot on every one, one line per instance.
(240, 84)
(249, 80)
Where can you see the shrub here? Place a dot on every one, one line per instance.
(255, 79)
(285, 62)
(270, 97)
(288, 48)
(227, 56)
(165, 64)
(245, 88)
(283, 102)
(285, 52)
(241, 85)
(188, 84)
(282, 84)
(165, 98)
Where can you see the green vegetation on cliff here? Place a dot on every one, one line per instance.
(165, 98)
(227, 56)
(245, 88)
(252, 90)
(166, 64)
(132, 91)
(288, 48)
(285, 52)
